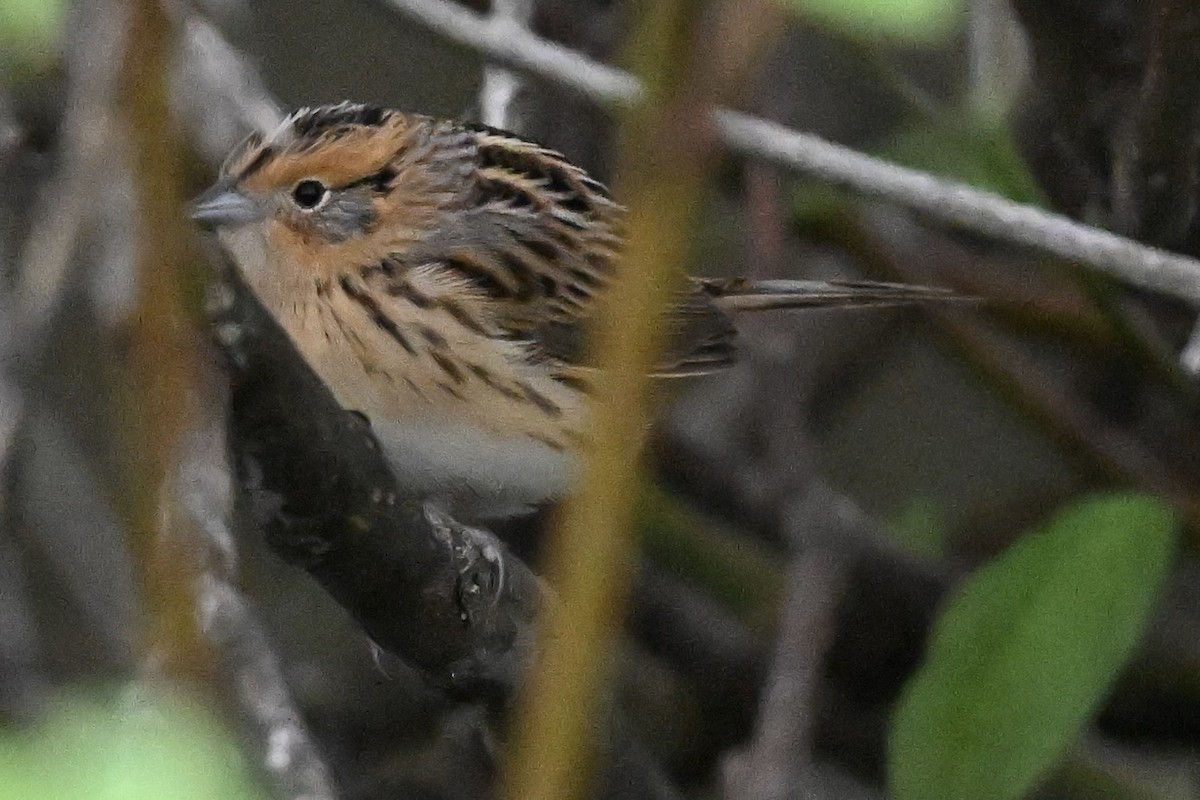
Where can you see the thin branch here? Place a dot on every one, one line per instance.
(218, 93)
(521, 49)
(64, 211)
(945, 201)
(997, 57)
(963, 206)
(779, 759)
(251, 671)
(784, 738)
(157, 385)
(591, 554)
(500, 86)
(1189, 359)
(288, 752)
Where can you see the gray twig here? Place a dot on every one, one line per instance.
(945, 201)
(500, 86)
(217, 91)
(997, 56)
(67, 207)
(779, 759)
(1189, 359)
(288, 753)
(255, 680)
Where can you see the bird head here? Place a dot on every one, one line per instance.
(331, 187)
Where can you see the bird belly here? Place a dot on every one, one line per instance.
(471, 472)
(448, 458)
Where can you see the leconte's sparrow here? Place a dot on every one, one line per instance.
(438, 277)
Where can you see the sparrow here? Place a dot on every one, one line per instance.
(439, 276)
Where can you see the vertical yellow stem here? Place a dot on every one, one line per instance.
(160, 362)
(666, 153)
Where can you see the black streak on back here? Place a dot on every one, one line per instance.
(328, 119)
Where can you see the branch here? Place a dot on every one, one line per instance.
(285, 748)
(159, 369)
(519, 48)
(63, 212)
(948, 202)
(447, 598)
(780, 756)
(251, 674)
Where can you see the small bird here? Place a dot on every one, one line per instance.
(438, 277)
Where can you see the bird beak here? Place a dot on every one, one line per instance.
(222, 206)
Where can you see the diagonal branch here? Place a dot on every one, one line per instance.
(449, 599)
(945, 201)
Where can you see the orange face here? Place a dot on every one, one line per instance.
(339, 195)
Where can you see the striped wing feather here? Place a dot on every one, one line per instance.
(539, 237)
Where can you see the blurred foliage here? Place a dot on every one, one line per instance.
(132, 744)
(29, 33)
(922, 21)
(738, 572)
(1027, 649)
(920, 526)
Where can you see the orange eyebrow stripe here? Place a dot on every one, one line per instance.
(338, 162)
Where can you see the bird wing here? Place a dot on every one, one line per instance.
(539, 238)
(530, 230)
(699, 340)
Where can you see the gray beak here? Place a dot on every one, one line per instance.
(221, 206)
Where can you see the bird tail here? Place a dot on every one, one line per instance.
(739, 294)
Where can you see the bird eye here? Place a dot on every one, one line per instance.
(308, 194)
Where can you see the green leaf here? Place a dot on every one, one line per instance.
(971, 149)
(912, 20)
(134, 746)
(1027, 649)
(29, 30)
